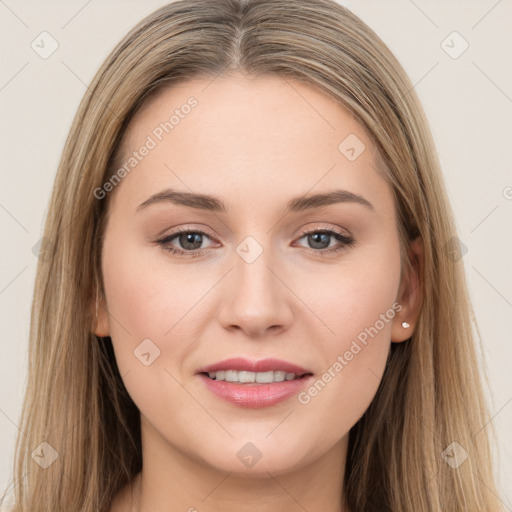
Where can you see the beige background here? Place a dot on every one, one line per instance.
(468, 101)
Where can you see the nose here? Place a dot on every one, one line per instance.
(256, 298)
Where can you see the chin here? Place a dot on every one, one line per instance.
(256, 460)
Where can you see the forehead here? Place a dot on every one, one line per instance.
(248, 135)
(243, 111)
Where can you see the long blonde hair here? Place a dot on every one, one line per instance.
(431, 394)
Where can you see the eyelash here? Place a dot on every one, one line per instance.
(346, 241)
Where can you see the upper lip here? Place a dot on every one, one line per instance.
(263, 365)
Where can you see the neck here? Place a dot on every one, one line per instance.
(171, 480)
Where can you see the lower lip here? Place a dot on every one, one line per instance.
(255, 396)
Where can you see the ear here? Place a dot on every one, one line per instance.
(409, 294)
(101, 324)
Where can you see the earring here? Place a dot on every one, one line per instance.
(405, 325)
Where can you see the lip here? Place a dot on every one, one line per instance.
(264, 365)
(255, 396)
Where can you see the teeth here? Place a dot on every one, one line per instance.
(248, 377)
(265, 377)
(231, 376)
(280, 376)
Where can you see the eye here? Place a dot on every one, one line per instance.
(322, 238)
(189, 240)
(192, 240)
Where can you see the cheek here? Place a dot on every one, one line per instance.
(151, 308)
(147, 296)
(350, 297)
(359, 307)
(145, 301)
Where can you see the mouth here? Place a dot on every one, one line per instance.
(254, 384)
(251, 378)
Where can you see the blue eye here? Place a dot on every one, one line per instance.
(320, 237)
(191, 241)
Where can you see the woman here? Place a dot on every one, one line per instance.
(249, 298)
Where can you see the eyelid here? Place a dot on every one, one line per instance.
(186, 229)
(322, 227)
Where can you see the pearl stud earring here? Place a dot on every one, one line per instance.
(405, 325)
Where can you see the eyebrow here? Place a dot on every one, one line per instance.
(214, 204)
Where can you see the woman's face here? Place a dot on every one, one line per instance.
(268, 277)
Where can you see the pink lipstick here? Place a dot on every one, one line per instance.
(254, 384)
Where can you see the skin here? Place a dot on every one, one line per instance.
(255, 144)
